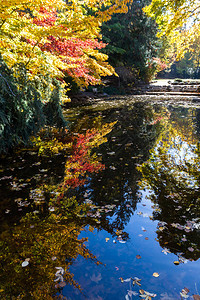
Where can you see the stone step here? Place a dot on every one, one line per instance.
(180, 93)
(175, 88)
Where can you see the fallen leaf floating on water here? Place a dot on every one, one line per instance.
(139, 213)
(184, 239)
(146, 295)
(136, 281)
(155, 274)
(191, 249)
(127, 280)
(184, 293)
(176, 262)
(59, 274)
(145, 215)
(146, 238)
(27, 259)
(138, 256)
(112, 168)
(182, 260)
(54, 258)
(166, 251)
(51, 209)
(143, 229)
(161, 228)
(161, 223)
(111, 153)
(25, 263)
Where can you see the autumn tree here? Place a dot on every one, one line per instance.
(42, 41)
(56, 37)
(179, 21)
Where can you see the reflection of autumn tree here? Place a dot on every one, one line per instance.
(172, 175)
(47, 243)
(47, 238)
(135, 132)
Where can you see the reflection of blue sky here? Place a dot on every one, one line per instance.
(103, 282)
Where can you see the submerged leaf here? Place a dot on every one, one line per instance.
(132, 293)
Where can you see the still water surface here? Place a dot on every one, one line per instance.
(146, 203)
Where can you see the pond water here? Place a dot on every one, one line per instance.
(144, 208)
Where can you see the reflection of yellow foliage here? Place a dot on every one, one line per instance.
(51, 141)
(50, 242)
(174, 160)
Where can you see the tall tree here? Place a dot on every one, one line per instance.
(132, 40)
(178, 20)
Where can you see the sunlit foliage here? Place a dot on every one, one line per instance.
(177, 20)
(57, 37)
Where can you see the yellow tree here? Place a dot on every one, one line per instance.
(56, 37)
(178, 20)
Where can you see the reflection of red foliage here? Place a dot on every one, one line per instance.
(158, 119)
(81, 163)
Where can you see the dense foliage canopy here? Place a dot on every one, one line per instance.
(41, 43)
(57, 37)
(178, 20)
